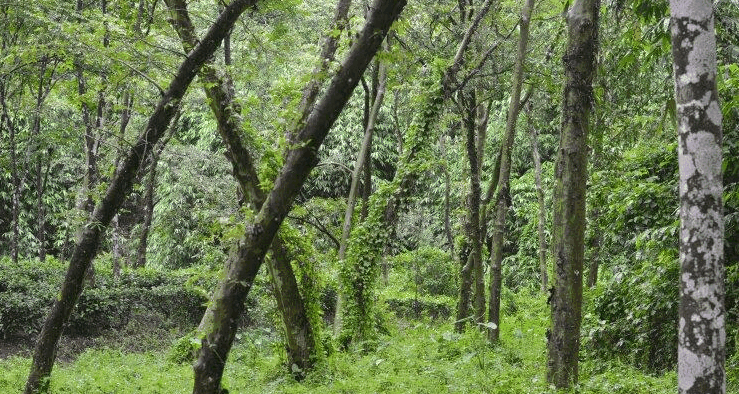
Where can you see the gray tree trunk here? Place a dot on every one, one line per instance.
(541, 225)
(503, 198)
(568, 224)
(701, 335)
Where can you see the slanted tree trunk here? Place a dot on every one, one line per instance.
(503, 198)
(242, 267)
(701, 336)
(300, 331)
(119, 188)
(569, 194)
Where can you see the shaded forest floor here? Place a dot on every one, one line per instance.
(418, 357)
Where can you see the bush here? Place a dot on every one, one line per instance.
(28, 290)
(634, 317)
(430, 270)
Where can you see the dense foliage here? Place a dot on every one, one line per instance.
(76, 88)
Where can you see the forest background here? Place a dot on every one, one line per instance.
(78, 83)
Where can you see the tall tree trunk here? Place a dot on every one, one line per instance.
(568, 223)
(42, 91)
(503, 197)
(363, 158)
(300, 332)
(447, 197)
(541, 225)
(119, 188)
(14, 176)
(469, 102)
(242, 267)
(369, 239)
(701, 335)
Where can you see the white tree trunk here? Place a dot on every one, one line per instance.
(702, 336)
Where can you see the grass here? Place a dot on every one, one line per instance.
(418, 357)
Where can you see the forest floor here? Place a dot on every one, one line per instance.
(419, 356)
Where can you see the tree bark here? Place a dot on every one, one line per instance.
(541, 225)
(368, 240)
(151, 185)
(120, 187)
(299, 331)
(362, 162)
(241, 268)
(469, 102)
(503, 197)
(701, 335)
(363, 156)
(569, 194)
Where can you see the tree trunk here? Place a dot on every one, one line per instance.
(569, 194)
(363, 159)
(447, 197)
(363, 156)
(15, 178)
(299, 331)
(368, 240)
(541, 225)
(242, 267)
(469, 101)
(120, 187)
(465, 288)
(503, 197)
(701, 335)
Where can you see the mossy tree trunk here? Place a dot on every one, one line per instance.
(368, 240)
(299, 330)
(468, 100)
(242, 267)
(568, 224)
(119, 188)
(701, 335)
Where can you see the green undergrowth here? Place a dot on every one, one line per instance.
(419, 356)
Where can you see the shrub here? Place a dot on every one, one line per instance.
(430, 270)
(28, 289)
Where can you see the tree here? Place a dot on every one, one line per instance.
(89, 240)
(243, 265)
(502, 198)
(701, 335)
(568, 225)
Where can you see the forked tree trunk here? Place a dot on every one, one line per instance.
(300, 331)
(568, 224)
(120, 187)
(242, 267)
(701, 337)
(503, 198)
